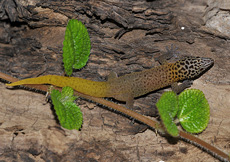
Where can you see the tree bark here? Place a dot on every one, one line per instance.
(125, 37)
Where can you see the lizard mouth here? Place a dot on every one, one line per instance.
(206, 63)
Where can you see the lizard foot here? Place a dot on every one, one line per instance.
(170, 52)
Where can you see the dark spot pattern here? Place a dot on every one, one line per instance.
(190, 67)
(139, 83)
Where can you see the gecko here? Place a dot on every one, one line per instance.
(129, 86)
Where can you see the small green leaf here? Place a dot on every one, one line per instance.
(167, 107)
(76, 46)
(193, 111)
(67, 95)
(69, 114)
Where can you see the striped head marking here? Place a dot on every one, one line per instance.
(191, 67)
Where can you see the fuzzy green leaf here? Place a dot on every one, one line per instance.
(76, 46)
(193, 112)
(167, 107)
(69, 114)
(67, 95)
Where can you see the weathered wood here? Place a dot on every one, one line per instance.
(125, 37)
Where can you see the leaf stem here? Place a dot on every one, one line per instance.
(215, 152)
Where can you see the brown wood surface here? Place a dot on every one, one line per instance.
(125, 36)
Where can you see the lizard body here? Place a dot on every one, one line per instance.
(127, 87)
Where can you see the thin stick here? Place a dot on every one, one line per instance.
(151, 123)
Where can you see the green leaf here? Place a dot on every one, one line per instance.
(167, 107)
(76, 46)
(193, 111)
(67, 95)
(69, 114)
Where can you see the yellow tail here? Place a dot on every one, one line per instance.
(92, 88)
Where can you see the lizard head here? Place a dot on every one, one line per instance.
(191, 67)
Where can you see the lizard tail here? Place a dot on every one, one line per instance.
(93, 88)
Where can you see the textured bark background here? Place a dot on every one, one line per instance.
(126, 36)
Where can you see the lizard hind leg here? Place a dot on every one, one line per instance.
(128, 98)
(112, 75)
(130, 102)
